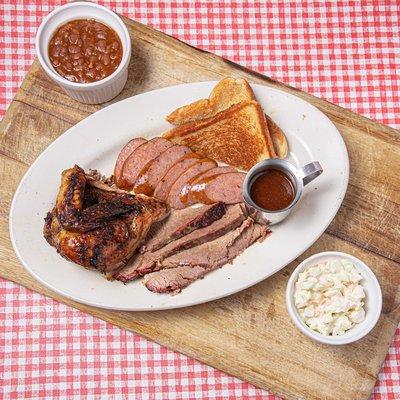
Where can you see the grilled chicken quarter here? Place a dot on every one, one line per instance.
(96, 226)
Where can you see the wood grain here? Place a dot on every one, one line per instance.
(258, 343)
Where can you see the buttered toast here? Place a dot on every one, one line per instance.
(278, 138)
(236, 136)
(226, 93)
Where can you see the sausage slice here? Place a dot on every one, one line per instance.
(126, 151)
(139, 158)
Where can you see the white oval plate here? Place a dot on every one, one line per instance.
(95, 143)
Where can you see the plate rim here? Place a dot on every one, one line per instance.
(341, 196)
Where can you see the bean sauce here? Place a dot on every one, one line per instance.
(272, 190)
(85, 50)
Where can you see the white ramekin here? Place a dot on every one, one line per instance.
(373, 301)
(95, 92)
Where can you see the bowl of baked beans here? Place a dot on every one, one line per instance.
(86, 49)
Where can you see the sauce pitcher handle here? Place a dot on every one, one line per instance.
(310, 171)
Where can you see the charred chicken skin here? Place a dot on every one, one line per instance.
(97, 226)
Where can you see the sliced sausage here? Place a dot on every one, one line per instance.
(157, 168)
(214, 171)
(126, 151)
(164, 185)
(186, 195)
(174, 196)
(139, 158)
(226, 188)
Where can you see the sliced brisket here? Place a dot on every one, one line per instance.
(174, 279)
(151, 261)
(180, 223)
(189, 265)
(209, 253)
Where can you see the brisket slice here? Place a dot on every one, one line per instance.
(174, 279)
(210, 253)
(180, 223)
(148, 262)
(186, 267)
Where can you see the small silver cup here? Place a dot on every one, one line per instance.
(299, 177)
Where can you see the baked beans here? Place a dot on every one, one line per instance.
(85, 50)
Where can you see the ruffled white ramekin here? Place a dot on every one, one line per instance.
(95, 92)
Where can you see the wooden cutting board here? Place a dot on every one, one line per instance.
(248, 335)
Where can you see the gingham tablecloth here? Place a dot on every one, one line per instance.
(347, 52)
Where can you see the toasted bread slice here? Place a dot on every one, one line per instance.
(226, 93)
(278, 138)
(235, 136)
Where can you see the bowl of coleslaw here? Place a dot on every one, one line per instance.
(334, 298)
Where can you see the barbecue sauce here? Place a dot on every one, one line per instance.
(194, 190)
(272, 190)
(142, 184)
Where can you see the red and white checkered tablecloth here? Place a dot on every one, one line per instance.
(347, 52)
